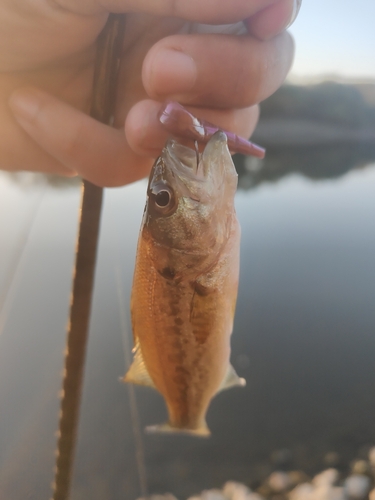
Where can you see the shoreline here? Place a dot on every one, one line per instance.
(304, 132)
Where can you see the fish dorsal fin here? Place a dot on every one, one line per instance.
(137, 373)
(231, 379)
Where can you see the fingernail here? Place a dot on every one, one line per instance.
(172, 72)
(25, 106)
(296, 8)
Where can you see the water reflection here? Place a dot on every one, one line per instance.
(303, 338)
(314, 162)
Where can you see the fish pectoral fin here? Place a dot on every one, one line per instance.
(137, 373)
(231, 379)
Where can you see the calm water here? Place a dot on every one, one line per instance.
(304, 335)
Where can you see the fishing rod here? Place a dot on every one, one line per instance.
(106, 71)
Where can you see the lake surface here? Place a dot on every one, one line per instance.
(304, 336)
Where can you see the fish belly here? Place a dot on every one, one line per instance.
(182, 331)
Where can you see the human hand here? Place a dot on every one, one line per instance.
(46, 70)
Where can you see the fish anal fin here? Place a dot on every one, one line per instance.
(231, 379)
(137, 373)
(202, 432)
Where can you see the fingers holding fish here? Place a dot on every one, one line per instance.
(220, 78)
(75, 143)
(18, 150)
(273, 19)
(208, 11)
(146, 135)
(217, 70)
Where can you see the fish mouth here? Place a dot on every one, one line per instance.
(190, 161)
(178, 157)
(195, 175)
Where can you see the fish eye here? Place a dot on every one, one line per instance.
(163, 198)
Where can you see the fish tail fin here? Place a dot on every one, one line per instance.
(201, 431)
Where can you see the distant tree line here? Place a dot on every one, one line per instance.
(330, 102)
(324, 162)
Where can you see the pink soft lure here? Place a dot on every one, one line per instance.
(181, 123)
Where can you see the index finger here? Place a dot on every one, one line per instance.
(200, 11)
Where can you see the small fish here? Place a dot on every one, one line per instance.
(185, 282)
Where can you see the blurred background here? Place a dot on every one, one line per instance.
(304, 335)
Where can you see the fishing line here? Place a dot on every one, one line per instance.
(12, 279)
(196, 154)
(137, 432)
(127, 348)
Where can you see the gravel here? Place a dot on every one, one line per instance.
(329, 484)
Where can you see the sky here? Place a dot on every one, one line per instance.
(335, 38)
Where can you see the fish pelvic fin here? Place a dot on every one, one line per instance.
(137, 373)
(202, 431)
(231, 379)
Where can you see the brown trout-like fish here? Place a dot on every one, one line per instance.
(185, 282)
